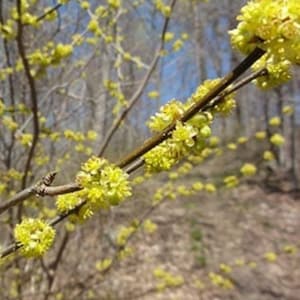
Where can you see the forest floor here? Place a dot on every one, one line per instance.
(197, 234)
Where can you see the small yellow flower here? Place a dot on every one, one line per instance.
(114, 3)
(169, 36)
(91, 135)
(288, 110)
(275, 121)
(185, 36)
(242, 140)
(149, 226)
(93, 26)
(198, 186)
(104, 264)
(232, 146)
(252, 264)
(178, 44)
(277, 139)
(85, 5)
(270, 256)
(225, 268)
(268, 155)
(214, 141)
(248, 169)
(210, 188)
(231, 181)
(290, 249)
(26, 139)
(239, 262)
(260, 135)
(35, 236)
(153, 94)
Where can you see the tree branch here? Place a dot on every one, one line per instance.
(224, 83)
(215, 95)
(42, 189)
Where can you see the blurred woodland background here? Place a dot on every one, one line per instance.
(215, 243)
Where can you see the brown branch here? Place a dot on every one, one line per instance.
(262, 72)
(38, 189)
(141, 88)
(224, 83)
(43, 189)
(152, 142)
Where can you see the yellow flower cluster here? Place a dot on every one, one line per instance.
(8, 30)
(104, 264)
(275, 27)
(248, 169)
(288, 110)
(123, 235)
(268, 155)
(166, 279)
(60, 52)
(162, 8)
(187, 137)
(169, 36)
(35, 237)
(114, 3)
(168, 113)
(270, 256)
(149, 226)
(220, 281)
(277, 139)
(231, 181)
(115, 91)
(224, 107)
(290, 249)
(104, 185)
(26, 139)
(75, 136)
(261, 135)
(153, 94)
(225, 268)
(275, 121)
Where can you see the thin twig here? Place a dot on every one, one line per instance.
(48, 12)
(141, 88)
